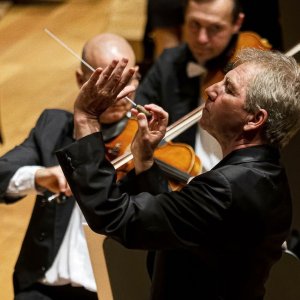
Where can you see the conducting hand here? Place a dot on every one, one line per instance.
(148, 136)
(102, 90)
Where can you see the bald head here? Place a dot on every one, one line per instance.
(100, 50)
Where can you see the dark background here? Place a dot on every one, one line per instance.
(290, 23)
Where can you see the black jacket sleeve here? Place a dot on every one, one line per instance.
(53, 129)
(142, 220)
(25, 154)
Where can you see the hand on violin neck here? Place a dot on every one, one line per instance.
(148, 136)
(102, 90)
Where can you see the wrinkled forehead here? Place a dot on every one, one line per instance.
(243, 74)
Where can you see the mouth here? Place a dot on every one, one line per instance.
(202, 49)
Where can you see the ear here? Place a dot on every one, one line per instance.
(79, 77)
(256, 121)
(238, 23)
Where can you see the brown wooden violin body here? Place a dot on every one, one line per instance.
(177, 160)
(181, 157)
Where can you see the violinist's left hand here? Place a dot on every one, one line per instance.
(102, 90)
(148, 136)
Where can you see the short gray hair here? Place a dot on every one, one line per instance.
(275, 88)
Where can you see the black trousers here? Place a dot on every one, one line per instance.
(65, 292)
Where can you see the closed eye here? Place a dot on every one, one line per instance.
(229, 88)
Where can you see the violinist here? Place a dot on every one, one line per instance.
(53, 262)
(219, 236)
(179, 76)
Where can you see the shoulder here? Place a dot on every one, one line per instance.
(176, 54)
(170, 61)
(229, 180)
(55, 115)
(55, 120)
(213, 184)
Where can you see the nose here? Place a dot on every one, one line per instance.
(202, 36)
(212, 91)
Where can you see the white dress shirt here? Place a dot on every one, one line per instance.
(208, 149)
(72, 264)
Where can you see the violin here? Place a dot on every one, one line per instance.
(178, 171)
(179, 163)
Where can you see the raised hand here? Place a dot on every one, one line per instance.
(102, 90)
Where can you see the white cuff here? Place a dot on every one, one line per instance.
(23, 182)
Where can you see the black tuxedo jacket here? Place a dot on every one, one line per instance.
(49, 221)
(215, 239)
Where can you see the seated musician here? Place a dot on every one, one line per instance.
(53, 262)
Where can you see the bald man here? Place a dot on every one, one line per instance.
(99, 52)
(53, 263)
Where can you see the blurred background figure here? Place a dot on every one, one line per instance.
(165, 19)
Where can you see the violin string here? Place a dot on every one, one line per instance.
(63, 44)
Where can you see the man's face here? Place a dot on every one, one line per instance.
(224, 115)
(209, 27)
